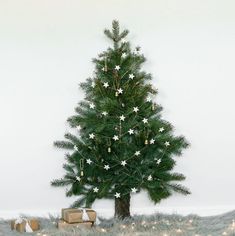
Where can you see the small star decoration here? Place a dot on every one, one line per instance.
(92, 105)
(131, 131)
(123, 163)
(159, 161)
(137, 153)
(104, 113)
(91, 136)
(106, 167)
(145, 120)
(95, 190)
(93, 84)
(150, 178)
(115, 138)
(167, 144)
(135, 109)
(120, 91)
(123, 55)
(122, 118)
(161, 129)
(117, 67)
(117, 195)
(106, 84)
(133, 190)
(152, 141)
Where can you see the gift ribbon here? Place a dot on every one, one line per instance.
(85, 216)
(97, 221)
(20, 220)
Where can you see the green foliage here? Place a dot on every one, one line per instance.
(93, 148)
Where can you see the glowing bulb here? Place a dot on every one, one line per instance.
(224, 233)
(233, 225)
(179, 231)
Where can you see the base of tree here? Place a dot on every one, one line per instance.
(122, 207)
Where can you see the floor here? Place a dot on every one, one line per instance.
(155, 225)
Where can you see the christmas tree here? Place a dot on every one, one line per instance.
(121, 145)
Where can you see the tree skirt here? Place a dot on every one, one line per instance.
(158, 224)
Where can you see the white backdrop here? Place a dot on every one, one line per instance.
(46, 48)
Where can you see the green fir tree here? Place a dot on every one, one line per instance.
(122, 145)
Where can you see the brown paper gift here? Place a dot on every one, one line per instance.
(71, 215)
(34, 224)
(62, 224)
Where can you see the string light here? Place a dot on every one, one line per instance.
(233, 225)
(178, 231)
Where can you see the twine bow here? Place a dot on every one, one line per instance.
(85, 216)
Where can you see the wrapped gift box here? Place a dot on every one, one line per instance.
(71, 215)
(62, 224)
(20, 227)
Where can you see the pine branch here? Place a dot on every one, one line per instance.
(64, 145)
(60, 182)
(123, 34)
(79, 203)
(179, 189)
(72, 138)
(69, 168)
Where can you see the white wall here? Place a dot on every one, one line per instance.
(46, 48)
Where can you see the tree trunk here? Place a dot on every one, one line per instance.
(122, 207)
